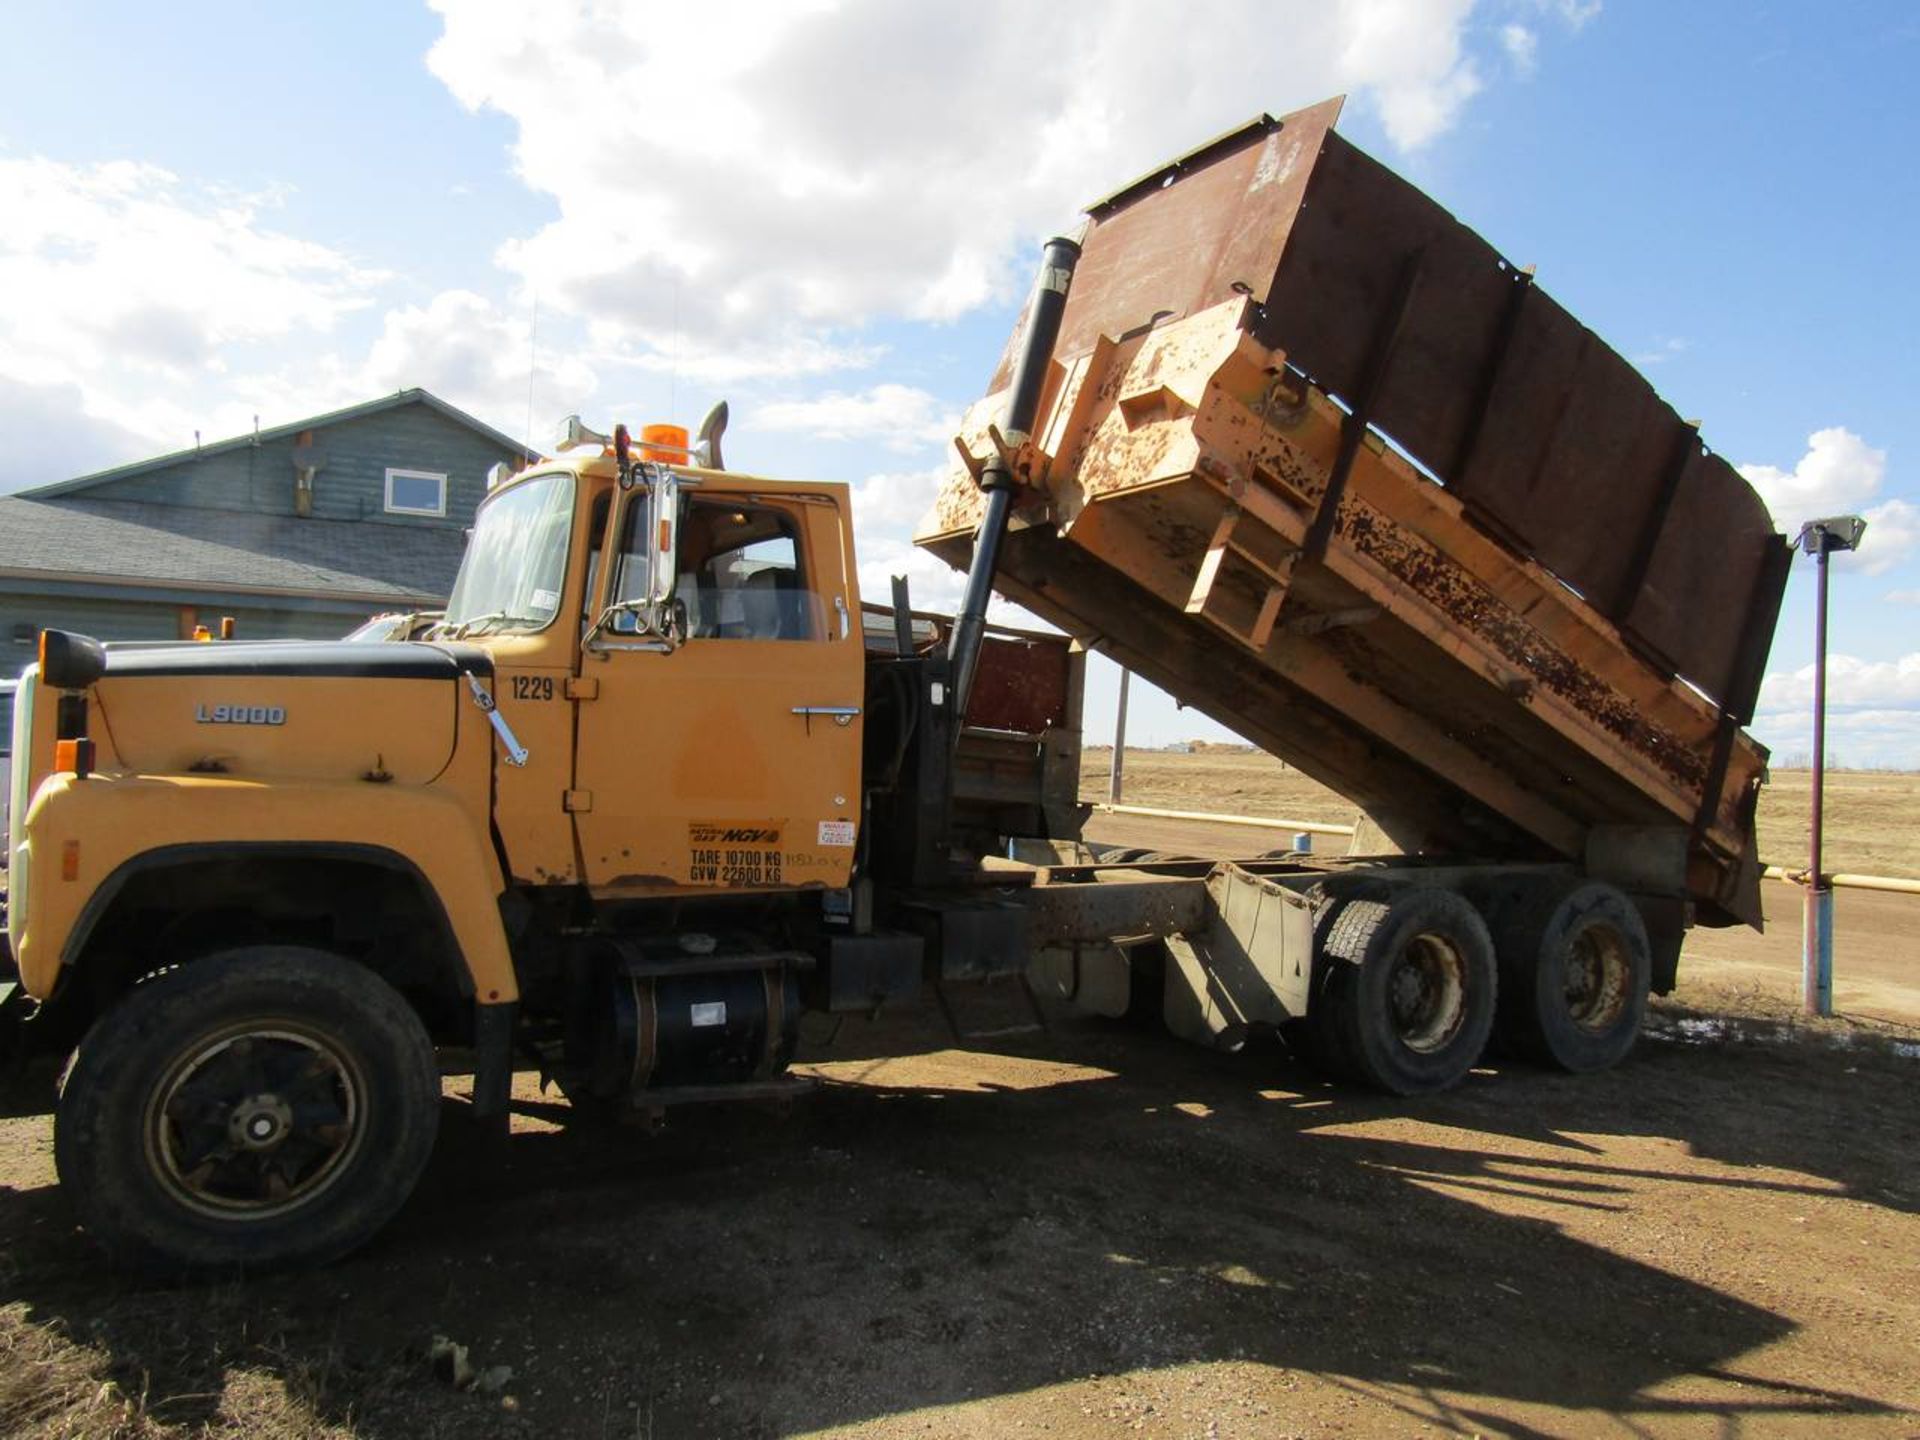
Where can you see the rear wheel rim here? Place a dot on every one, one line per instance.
(256, 1120)
(1427, 993)
(1598, 979)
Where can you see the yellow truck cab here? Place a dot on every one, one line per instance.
(647, 687)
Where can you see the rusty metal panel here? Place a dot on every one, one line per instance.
(1021, 684)
(1239, 193)
(1712, 552)
(1115, 901)
(1549, 434)
(1343, 261)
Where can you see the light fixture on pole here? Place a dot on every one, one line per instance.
(1821, 538)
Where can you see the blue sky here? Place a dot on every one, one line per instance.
(826, 213)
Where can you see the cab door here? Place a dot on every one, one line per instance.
(724, 755)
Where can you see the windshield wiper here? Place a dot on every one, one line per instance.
(480, 623)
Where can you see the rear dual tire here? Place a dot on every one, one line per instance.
(1404, 990)
(1575, 967)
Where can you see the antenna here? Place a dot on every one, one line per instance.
(533, 326)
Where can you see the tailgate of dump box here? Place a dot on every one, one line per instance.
(1316, 459)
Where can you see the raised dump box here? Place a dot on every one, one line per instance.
(1315, 459)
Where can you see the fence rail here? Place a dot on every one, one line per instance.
(1889, 884)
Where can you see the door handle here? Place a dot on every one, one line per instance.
(839, 714)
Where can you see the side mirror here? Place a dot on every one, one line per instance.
(663, 535)
(69, 661)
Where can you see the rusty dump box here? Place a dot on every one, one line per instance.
(1318, 461)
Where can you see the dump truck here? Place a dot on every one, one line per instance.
(1274, 431)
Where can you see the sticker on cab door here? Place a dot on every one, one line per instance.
(836, 832)
(734, 852)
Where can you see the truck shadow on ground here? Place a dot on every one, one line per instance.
(930, 1231)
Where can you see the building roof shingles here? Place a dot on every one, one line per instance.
(141, 541)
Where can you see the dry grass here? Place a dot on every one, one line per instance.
(51, 1387)
(1872, 821)
(1872, 817)
(56, 1387)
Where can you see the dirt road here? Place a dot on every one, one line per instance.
(1084, 1233)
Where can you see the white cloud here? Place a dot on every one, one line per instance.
(1574, 14)
(1408, 55)
(134, 285)
(739, 175)
(463, 349)
(50, 436)
(1873, 712)
(1893, 534)
(1851, 682)
(900, 417)
(791, 356)
(1887, 739)
(1839, 474)
(933, 584)
(896, 501)
(1663, 349)
(127, 267)
(1902, 597)
(1522, 47)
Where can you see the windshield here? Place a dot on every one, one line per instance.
(516, 562)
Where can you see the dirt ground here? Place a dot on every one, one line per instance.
(1091, 1231)
(1083, 1232)
(1869, 815)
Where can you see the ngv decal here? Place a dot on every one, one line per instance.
(240, 714)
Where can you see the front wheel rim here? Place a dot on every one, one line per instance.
(256, 1120)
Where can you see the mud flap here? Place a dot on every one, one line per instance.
(13, 1010)
(1249, 967)
(493, 1035)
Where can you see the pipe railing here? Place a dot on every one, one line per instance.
(1887, 884)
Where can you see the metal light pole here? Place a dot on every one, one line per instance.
(1821, 538)
(1114, 775)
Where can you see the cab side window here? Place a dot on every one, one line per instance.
(739, 572)
(741, 575)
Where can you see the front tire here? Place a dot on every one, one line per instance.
(263, 1107)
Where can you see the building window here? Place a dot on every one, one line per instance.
(26, 634)
(416, 492)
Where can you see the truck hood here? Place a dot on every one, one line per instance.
(340, 659)
(311, 710)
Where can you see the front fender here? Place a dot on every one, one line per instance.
(80, 833)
